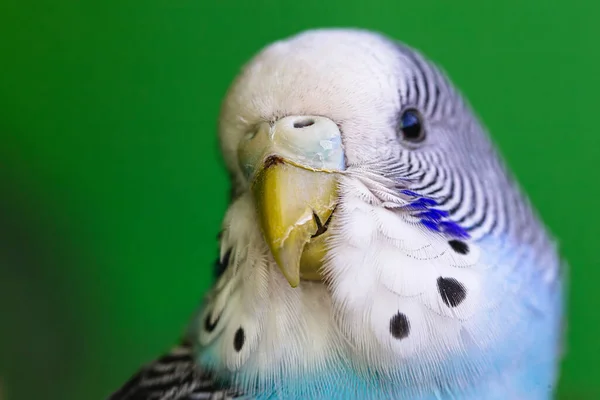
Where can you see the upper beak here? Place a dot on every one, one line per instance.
(293, 166)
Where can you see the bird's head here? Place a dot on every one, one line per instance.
(335, 114)
(363, 186)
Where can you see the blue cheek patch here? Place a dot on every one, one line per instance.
(432, 218)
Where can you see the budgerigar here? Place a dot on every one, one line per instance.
(375, 247)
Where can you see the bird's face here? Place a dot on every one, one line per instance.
(330, 114)
(375, 246)
(373, 224)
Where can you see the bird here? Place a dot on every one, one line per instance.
(376, 244)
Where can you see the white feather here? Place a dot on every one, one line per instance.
(380, 260)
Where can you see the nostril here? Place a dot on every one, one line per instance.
(304, 123)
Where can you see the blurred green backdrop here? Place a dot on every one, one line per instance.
(112, 190)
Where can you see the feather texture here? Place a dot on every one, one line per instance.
(439, 280)
(174, 376)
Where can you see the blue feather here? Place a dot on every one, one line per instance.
(432, 218)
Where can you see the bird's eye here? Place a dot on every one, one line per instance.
(411, 126)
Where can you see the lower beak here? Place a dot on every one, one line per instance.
(295, 198)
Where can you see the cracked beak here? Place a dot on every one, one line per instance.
(294, 185)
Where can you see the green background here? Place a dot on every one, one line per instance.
(112, 189)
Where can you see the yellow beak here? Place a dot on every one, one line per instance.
(294, 186)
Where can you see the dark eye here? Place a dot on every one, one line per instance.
(411, 126)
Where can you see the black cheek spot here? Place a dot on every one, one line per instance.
(399, 326)
(459, 246)
(239, 339)
(208, 326)
(452, 291)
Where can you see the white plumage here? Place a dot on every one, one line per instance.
(417, 301)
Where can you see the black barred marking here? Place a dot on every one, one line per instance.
(414, 166)
(239, 339)
(429, 90)
(486, 215)
(436, 98)
(399, 326)
(419, 67)
(431, 181)
(175, 376)
(428, 87)
(417, 91)
(462, 186)
(472, 199)
(467, 190)
(428, 186)
(444, 200)
(459, 246)
(452, 291)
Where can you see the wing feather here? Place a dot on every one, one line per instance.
(174, 376)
